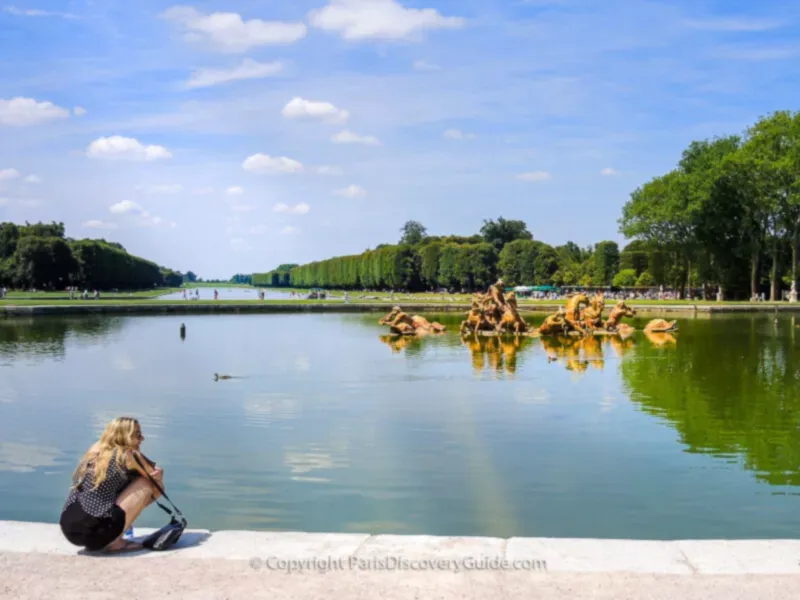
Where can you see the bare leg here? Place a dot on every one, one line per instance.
(133, 500)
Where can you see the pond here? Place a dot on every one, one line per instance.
(327, 426)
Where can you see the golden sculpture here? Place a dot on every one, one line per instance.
(620, 311)
(554, 324)
(494, 311)
(401, 323)
(661, 326)
(574, 314)
(593, 314)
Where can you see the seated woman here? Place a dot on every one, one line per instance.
(110, 489)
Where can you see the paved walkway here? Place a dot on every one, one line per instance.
(35, 562)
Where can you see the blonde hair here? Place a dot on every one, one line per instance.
(116, 442)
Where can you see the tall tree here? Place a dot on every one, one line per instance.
(501, 232)
(413, 233)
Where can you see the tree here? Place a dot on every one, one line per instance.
(606, 261)
(413, 233)
(501, 232)
(190, 277)
(625, 278)
(44, 262)
(645, 280)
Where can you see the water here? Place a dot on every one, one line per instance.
(328, 427)
(228, 293)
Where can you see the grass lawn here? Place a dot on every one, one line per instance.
(62, 295)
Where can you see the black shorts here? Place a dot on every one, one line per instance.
(93, 533)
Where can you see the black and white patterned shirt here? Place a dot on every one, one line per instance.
(98, 502)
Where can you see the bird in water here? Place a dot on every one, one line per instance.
(552, 359)
(183, 331)
(218, 377)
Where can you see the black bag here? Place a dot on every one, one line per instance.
(167, 536)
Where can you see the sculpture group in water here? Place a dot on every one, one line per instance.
(401, 323)
(494, 311)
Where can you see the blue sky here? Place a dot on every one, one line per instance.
(233, 136)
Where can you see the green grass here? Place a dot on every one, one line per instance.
(104, 296)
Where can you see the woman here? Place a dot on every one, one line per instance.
(110, 488)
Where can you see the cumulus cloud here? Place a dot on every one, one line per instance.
(229, 32)
(263, 163)
(328, 170)
(33, 179)
(289, 230)
(422, 65)
(356, 20)
(78, 111)
(121, 148)
(609, 172)
(297, 209)
(8, 174)
(249, 69)
(535, 176)
(234, 190)
(456, 134)
(348, 137)
(97, 224)
(351, 191)
(124, 207)
(302, 109)
(23, 112)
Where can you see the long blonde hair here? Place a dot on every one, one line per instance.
(116, 442)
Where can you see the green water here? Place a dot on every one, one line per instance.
(328, 427)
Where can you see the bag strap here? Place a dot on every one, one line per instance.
(158, 487)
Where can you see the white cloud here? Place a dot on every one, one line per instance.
(33, 179)
(301, 109)
(422, 65)
(456, 134)
(35, 12)
(348, 137)
(329, 171)
(78, 111)
(126, 206)
(289, 230)
(22, 112)
(243, 208)
(535, 176)
(166, 189)
(263, 163)
(351, 191)
(249, 69)
(609, 172)
(379, 20)
(8, 174)
(97, 224)
(297, 209)
(234, 190)
(122, 148)
(733, 24)
(228, 32)
(204, 191)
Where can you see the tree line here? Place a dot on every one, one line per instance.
(40, 256)
(503, 247)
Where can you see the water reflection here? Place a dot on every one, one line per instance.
(46, 337)
(495, 354)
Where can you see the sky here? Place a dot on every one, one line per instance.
(231, 137)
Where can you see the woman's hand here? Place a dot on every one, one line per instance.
(158, 475)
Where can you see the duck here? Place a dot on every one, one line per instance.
(218, 377)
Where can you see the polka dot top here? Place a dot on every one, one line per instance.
(98, 502)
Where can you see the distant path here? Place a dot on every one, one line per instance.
(78, 307)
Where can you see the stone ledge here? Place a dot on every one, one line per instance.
(682, 557)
